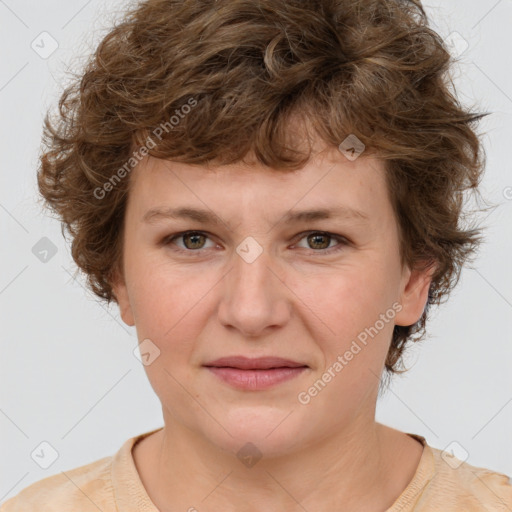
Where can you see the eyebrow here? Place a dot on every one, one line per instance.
(292, 217)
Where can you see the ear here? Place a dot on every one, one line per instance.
(121, 292)
(414, 294)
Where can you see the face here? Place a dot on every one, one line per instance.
(255, 281)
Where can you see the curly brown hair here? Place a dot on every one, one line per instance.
(370, 68)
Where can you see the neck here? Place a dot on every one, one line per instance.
(185, 471)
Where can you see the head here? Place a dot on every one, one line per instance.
(244, 109)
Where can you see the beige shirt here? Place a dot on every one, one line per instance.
(112, 484)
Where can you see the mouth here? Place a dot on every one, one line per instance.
(258, 363)
(255, 374)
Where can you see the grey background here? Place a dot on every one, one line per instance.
(68, 373)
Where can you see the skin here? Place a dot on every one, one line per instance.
(300, 299)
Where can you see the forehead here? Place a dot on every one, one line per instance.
(329, 187)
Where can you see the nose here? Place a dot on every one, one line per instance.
(254, 298)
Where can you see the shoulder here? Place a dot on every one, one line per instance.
(457, 485)
(85, 488)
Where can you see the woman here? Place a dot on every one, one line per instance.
(270, 191)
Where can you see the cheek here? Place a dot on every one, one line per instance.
(171, 305)
(169, 311)
(351, 335)
(346, 298)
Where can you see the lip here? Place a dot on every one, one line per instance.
(254, 380)
(255, 374)
(257, 363)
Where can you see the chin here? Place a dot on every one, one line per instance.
(265, 430)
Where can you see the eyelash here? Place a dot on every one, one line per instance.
(342, 241)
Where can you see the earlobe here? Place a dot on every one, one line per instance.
(414, 295)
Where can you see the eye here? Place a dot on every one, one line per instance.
(319, 240)
(193, 240)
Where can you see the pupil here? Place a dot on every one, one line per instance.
(192, 236)
(317, 236)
